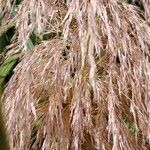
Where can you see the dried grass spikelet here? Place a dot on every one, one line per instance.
(89, 92)
(5, 11)
(146, 7)
(41, 16)
(109, 26)
(50, 96)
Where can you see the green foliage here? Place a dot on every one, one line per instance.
(6, 69)
(7, 33)
(130, 126)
